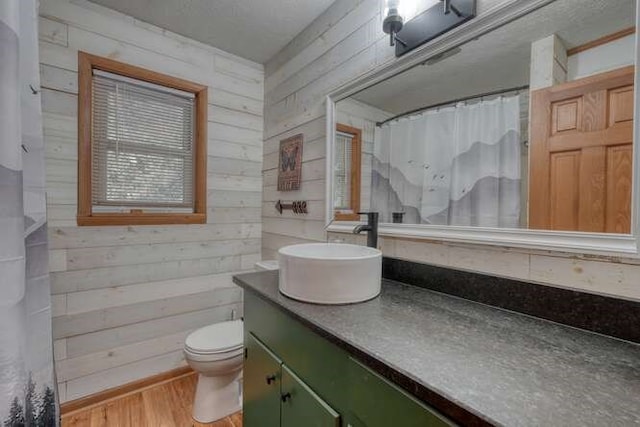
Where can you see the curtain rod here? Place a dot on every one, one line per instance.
(455, 101)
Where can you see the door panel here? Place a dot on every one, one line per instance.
(261, 392)
(564, 189)
(619, 179)
(592, 194)
(567, 116)
(580, 157)
(302, 407)
(621, 105)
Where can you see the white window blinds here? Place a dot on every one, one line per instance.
(142, 144)
(342, 171)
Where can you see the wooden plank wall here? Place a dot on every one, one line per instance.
(124, 298)
(342, 44)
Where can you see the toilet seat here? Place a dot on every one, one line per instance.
(216, 342)
(212, 357)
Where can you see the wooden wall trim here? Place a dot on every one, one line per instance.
(120, 391)
(602, 40)
(86, 64)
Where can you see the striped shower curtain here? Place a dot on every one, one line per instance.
(27, 386)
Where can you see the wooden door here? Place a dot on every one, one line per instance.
(581, 156)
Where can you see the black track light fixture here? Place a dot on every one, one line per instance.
(435, 19)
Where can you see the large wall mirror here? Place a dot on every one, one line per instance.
(527, 127)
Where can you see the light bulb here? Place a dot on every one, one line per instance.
(409, 9)
(391, 4)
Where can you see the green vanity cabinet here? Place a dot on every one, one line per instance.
(275, 396)
(319, 363)
(316, 383)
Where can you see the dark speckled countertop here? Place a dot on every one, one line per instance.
(500, 367)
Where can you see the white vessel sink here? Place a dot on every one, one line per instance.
(330, 273)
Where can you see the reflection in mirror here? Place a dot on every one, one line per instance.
(347, 174)
(529, 126)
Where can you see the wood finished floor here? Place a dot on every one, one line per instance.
(167, 405)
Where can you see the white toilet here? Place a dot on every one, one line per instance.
(215, 352)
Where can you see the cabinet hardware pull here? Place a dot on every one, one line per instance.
(285, 397)
(270, 379)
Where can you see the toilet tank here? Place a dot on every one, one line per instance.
(267, 265)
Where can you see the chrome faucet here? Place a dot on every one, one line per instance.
(371, 228)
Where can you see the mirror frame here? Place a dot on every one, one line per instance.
(601, 244)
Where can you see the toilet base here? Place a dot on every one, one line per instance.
(217, 397)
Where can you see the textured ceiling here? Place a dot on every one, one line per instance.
(252, 29)
(501, 58)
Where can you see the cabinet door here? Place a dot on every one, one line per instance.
(320, 363)
(261, 380)
(374, 402)
(302, 407)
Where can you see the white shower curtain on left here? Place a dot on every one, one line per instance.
(27, 386)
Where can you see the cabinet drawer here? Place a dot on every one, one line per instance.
(375, 402)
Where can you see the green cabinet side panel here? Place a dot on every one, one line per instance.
(302, 407)
(316, 361)
(261, 398)
(375, 402)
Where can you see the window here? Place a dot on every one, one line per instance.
(346, 173)
(142, 146)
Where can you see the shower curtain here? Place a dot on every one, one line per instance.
(458, 165)
(27, 390)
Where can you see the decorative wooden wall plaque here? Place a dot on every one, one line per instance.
(290, 165)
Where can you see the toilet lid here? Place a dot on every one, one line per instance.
(217, 338)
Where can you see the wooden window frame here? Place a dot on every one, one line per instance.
(86, 217)
(356, 172)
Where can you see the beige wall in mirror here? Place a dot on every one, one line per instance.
(527, 127)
